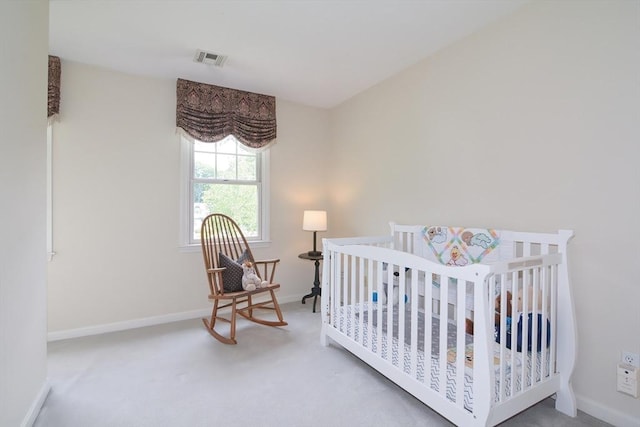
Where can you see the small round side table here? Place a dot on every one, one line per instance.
(315, 290)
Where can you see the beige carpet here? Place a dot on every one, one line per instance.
(177, 375)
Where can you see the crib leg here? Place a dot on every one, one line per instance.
(324, 341)
(566, 400)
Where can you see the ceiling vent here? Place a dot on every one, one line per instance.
(209, 58)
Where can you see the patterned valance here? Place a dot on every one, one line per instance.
(53, 102)
(210, 113)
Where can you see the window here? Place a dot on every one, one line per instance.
(224, 177)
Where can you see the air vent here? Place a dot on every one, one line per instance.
(209, 58)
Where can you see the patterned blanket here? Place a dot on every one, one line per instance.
(459, 246)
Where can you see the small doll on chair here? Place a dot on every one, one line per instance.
(250, 280)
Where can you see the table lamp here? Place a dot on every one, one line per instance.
(314, 221)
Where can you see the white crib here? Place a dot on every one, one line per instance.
(418, 339)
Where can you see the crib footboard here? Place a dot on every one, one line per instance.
(381, 305)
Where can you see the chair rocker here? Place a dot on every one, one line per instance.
(220, 235)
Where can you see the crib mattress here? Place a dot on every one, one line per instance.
(344, 325)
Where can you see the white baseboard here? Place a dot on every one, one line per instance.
(605, 413)
(125, 325)
(34, 410)
(139, 323)
(294, 298)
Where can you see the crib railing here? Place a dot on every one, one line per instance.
(416, 339)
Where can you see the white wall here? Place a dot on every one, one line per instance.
(116, 194)
(23, 125)
(529, 124)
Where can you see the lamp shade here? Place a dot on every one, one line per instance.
(314, 221)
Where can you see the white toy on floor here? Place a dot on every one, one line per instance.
(250, 280)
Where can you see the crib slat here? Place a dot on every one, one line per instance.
(379, 311)
(334, 261)
(553, 281)
(371, 287)
(503, 333)
(345, 288)
(442, 343)
(413, 370)
(522, 336)
(516, 367)
(460, 341)
(545, 315)
(428, 325)
(360, 299)
(389, 307)
(336, 290)
(401, 315)
(340, 280)
(494, 282)
(535, 301)
(352, 296)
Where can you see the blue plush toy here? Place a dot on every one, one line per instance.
(529, 333)
(509, 323)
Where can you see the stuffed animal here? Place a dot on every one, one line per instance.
(250, 280)
(530, 297)
(395, 287)
(515, 326)
(497, 313)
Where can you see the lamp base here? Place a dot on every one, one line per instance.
(314, 253)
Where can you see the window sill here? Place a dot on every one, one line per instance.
(197, 248)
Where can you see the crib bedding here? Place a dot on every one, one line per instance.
(349, 313)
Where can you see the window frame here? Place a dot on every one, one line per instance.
(49, 209)
(186, 241)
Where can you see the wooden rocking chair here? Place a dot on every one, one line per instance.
(222, 240)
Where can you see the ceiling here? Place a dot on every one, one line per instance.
(313, 52)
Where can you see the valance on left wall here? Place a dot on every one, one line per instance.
(210, 113)
(53, 101)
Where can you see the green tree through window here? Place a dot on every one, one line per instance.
(226, 179)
